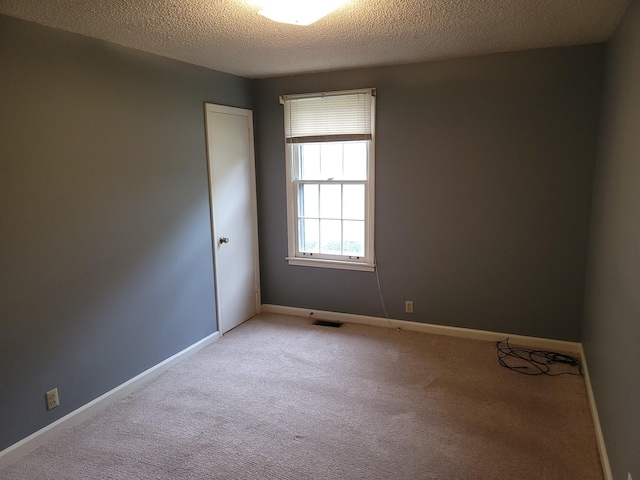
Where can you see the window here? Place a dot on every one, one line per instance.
(330, 171)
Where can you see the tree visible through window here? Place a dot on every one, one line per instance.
(329, 140)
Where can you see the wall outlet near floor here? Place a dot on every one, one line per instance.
(52, 399)
(408, 306)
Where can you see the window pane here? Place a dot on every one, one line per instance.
(309, 206)
(310, 161)
(355, 160)
(330, 201)
(330, 157)
(353, 241)
(309, 236)
(330, 237)
(353, 202)
(331, 160)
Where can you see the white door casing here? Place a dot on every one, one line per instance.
(234, 214)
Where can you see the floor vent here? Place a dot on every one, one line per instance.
(327, 323)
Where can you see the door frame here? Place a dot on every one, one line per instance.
(215, 108)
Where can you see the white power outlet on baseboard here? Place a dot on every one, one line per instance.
(408, 306)
(52, 399)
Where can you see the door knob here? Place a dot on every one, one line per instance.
(223, 240)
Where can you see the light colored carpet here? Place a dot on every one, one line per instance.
(279, 398)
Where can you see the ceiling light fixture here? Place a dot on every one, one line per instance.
(297, 12)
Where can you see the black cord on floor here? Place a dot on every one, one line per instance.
(537, 362)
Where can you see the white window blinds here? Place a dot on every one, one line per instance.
(339, 117)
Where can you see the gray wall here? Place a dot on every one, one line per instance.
(105, 246)
(484, 176)
(612, 307)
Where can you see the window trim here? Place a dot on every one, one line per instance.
(368, 262)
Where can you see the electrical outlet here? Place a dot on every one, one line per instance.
(408, 306)
(52, 399)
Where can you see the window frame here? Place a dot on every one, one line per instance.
(295, 256)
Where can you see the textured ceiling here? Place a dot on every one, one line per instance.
(229, 35)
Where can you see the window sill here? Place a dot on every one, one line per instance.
(337, 264)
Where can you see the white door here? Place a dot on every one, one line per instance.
(234, 214)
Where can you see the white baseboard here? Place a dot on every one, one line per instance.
(36, 439)
(602, 449)
(33, 441)
(521, 340)
(534, 342)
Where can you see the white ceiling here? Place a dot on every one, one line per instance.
(229, 35)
